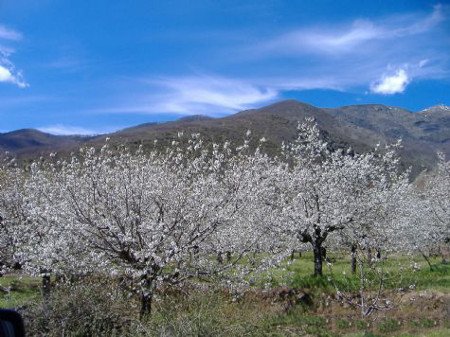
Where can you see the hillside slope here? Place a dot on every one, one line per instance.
(358, 126)
(31, 142)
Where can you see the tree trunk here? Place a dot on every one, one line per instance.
(219, 258)
(46, 287)
(146, 304)
(147, 291)
(353, 258)
(324, 254)
(318, 261)
(378, 253)
(46, 292)
(228, 256)
(426, 259)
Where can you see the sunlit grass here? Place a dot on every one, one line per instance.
(399, 271)
(18, 290)
(218, 313)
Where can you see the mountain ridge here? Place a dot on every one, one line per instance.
(358, 126)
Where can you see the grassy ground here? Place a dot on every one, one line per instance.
(419, 311)
(18, 290)
(400, 271)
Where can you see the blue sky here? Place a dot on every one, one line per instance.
(95, 66)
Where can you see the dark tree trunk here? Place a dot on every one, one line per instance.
(317, 240)
(378, 253)
(147, 291)
(353, 259)
(318, 258)
(228, 256)
(427, 259)
(46, 292)
(219, 258)
(146, 296)
(46, 287)
(146, 304)
(324, 254)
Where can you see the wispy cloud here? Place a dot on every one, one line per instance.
(68, 57)
(9, 34)
(382, 56)
(8, 72)
(348, 39)
(194, 93)
(357, 53)
(65, 130)
(304, 41)
(202, 94)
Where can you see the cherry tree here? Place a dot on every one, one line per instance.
(329, 191)
(154, 218)
(252, 178)
(382, 193)
(439, 196)
(426, 210)
(12, 214)
(50, 235)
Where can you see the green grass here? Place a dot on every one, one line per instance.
(398, 272)
(218, 314)
(300, 323)
(22, 290)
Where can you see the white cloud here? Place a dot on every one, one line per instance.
(348, 56)
(189, 93)
(9, 34)
(6, 75)
(391, 84)
(425, 24)
(65, 130)
(197, 95)
(338, 40)
(8, 72)
(305, 41)
(423, 63)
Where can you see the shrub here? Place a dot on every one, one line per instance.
(84, 309)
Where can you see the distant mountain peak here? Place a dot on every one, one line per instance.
(286, 104)
(439, 107)
(357, 126)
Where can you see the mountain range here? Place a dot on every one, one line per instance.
(358, 126)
